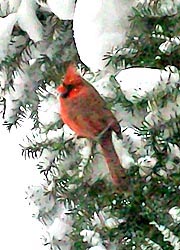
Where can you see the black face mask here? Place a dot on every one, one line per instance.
(68, 90)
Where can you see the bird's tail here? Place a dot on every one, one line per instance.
(116, 171)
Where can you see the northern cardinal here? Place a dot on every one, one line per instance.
(85, 112)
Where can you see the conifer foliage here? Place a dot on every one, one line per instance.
(78, 206)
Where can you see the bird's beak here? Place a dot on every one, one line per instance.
(63, 90)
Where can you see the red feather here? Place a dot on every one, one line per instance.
(85, 112)
(72, 76)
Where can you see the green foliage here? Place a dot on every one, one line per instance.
(150, 197)
(147, 202)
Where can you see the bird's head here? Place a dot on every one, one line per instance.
(71, 80)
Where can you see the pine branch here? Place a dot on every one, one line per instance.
(3, 103)
(17, 118)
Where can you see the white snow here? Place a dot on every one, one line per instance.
(135, 142)
(146, 165)
(9, 6)
(59, 229)
(28, 20)
(39, 202)
(19, 229)
(98, 27)
(104, 86)
(50, 106)
(168, 235)
(13, 5)
(91, 237)
(6, 24)
(3, 80)
(138, 82)
(100, 247)
(64, 9)
(168, 112)
(175, 214)
(15, 95)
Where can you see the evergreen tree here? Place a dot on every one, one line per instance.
(78, 206)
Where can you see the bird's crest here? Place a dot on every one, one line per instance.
(71, 76)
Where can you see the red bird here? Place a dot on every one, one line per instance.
(85, 112)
